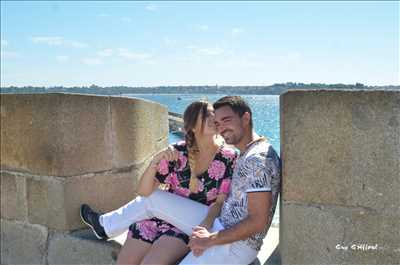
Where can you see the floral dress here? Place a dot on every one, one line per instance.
(176, 176)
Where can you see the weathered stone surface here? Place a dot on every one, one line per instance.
(341, 147)
(104, 192)
(13, 196)
(139, 127)
(55, 203)
(80, 247)
(46, 202)
(67, 135)
(315, 234)
(309, 235)
(22, 243)
(55, 134)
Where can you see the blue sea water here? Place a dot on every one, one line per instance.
(265, 110)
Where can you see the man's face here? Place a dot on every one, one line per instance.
(229, 125)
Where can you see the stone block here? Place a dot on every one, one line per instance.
(55, 202)
(317, 234)
(55, 134)
(23, 243)
(70, 134)
(104, 192)
(342, 148)
(80, 247)
(46, 202)
(13, 196)
(140, 128)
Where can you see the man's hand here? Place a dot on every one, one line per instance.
(200, 240)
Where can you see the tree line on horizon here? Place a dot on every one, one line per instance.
(275, 89)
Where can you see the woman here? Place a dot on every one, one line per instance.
(199, 168)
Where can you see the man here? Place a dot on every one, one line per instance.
(246, 214)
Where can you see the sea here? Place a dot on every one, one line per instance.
(265, 110)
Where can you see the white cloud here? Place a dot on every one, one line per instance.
(9, 55)
(126, 54)
(210, 51)
(151, 7)
(62, 58)
(4, 43)
(92, 61)
(105, 53)
(52, 41)
(169, 42)
(126, 19)
(77, 44)
(237, 31)
(203, 27)
(58, 41)
(191, 47)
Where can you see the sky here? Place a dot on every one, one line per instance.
(163, 43)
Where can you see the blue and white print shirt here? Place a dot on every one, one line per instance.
(258, 169)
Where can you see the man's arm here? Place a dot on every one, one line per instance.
(213, 212)
(259, 204)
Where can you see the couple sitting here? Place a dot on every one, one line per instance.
(217, 205)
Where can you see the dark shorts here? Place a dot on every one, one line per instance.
(152, 229)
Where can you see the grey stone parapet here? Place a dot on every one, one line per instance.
(61, 150)
(341, 177)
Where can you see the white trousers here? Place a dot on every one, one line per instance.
(184, 214)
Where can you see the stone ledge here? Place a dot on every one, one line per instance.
(80, 247)
(70, 134)
(23, 243)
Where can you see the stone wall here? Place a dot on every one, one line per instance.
(341, 177)
(61, 150)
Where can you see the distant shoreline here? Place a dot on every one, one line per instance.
(276, 89)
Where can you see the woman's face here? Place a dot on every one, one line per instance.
(209, 123)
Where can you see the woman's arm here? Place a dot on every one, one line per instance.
(148, 183)
(213, 211)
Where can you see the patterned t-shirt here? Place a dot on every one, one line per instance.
(258, 169)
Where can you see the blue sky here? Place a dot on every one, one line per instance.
(198, 43)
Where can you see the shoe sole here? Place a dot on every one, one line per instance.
(91, 227)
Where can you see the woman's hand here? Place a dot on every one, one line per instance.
(169, 154)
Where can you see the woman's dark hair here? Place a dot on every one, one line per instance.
(190, 117)
(237, 104)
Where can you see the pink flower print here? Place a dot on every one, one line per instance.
(212, 194)
(228, 153)
(182, 161)
(225, 186)
(216, 170)
(164, 228)
(172, 180)
(148, 229)
(163, 167)
(182, 191)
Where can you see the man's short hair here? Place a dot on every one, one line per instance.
(237, 104)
